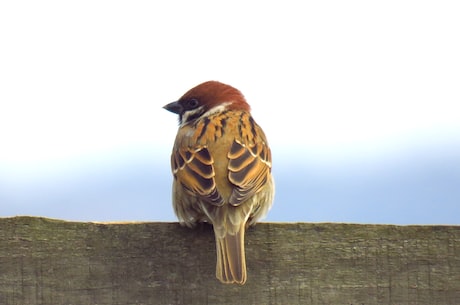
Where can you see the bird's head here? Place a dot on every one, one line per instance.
(206, 99)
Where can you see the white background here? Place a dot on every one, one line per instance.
(360, 101)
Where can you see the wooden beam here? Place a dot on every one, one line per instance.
(44, 261)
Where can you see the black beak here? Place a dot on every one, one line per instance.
(175, 107)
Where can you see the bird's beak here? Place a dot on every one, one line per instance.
(174, 107)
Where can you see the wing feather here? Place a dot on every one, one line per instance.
(249, 168)
(194, 169)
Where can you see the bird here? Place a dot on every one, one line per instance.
(221, 164)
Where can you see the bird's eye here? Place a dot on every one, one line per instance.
(191, 103)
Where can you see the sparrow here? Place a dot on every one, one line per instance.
(221, 163)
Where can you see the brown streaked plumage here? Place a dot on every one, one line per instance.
(221, 164)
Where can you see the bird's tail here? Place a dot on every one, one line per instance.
(231, 261)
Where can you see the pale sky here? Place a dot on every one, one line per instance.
(330, 82)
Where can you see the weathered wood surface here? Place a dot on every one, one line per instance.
(45, 261)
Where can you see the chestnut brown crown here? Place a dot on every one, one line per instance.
(207, 98)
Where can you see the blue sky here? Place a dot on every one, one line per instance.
(359, 100)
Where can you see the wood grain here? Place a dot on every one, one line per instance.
(44, 261)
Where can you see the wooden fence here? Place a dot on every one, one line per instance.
(44, 261)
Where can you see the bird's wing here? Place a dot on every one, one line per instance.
(193, 168)
(249, 168)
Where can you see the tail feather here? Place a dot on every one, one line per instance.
(231, 261)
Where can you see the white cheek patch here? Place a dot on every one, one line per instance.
(216, 109)
(192, 115)
(188, 114)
